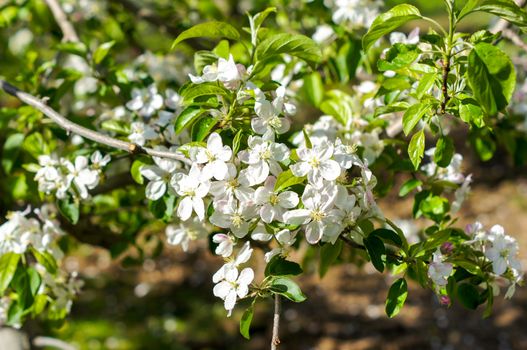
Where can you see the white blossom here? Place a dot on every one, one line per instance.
(318, 214)
(263, 157)
(185, 232)
(502, 251)
(159, 175)
(230, 285)
(236, 217)
(192, 190)
(234, 186)
(82, 176)
(268, 122)
(145, 101)
(439, 271)
(316, 164)
(273, 204)
(225, 244)
(141, 133)
(215, 158)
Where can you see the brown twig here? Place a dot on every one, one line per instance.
(444, 85)
(68, 32)
(93, 135)
(275, 340)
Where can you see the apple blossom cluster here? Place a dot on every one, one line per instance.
(62, 177)
(246, 200)
(500, 249)
(152, 120)
(20, 231)
(38, 232)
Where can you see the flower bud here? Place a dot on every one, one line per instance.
(447, 248)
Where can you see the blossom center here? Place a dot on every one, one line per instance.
(273, 199)
(314, 162)
(236, 220)
(317, 215)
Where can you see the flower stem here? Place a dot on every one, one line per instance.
(275, 341)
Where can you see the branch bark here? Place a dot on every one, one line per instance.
(503, 27)
(44, 342)
(275, 340)
(68, 32)
(93, 135)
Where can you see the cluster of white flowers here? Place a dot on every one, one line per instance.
(62, 177)
(156, 115)
(41, 232)
(240, 192)
(500, 249)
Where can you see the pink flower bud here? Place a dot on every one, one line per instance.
(444, 300)
(447, 248)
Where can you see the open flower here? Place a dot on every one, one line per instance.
(214, 157)
(225, 244)
(185, 232)
(503, 250)
(159, 175)
(233, 186)
(229, 214)
(82, 176)
(274, 205)
(230, 285)
(316, 164)
(226, 71)
(192, 190)
(141, 133)
(268, 123)
(286, 239)
(318, 214)
(263, 157)
(145, 101)
(439, 271)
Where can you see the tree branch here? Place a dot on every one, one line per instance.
(275, 340)
(503, 26)
(93, 135)
(68, 32)
(44, 342)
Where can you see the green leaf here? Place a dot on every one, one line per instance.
(506, 9)
(278, 266)
(413, 115)
(186, 118)
(11, 150)
(471, 113)
(135, 170)
(416, 148)
(45, 259)
(347, 59)
(287, 179)
(388, 235)
(313, 88)
(69, 208)
(260, 17)
(236, 141)
(75, 48)
(8, 265)
(468, 296)
(339, 105)
(34, 280)
(35, 145)
(245, 322)
(328, 255)
(292, 44)
(204, 89)
(444, 151)
(408, 186)
(491, 76)
(389, 21)
(202, 128)
(436, 240)
(203, 58)
(398, 56)
(376, 250)
(211, 29)
(289, 289)
(396, 297)
(425, 83)
(102, 51)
